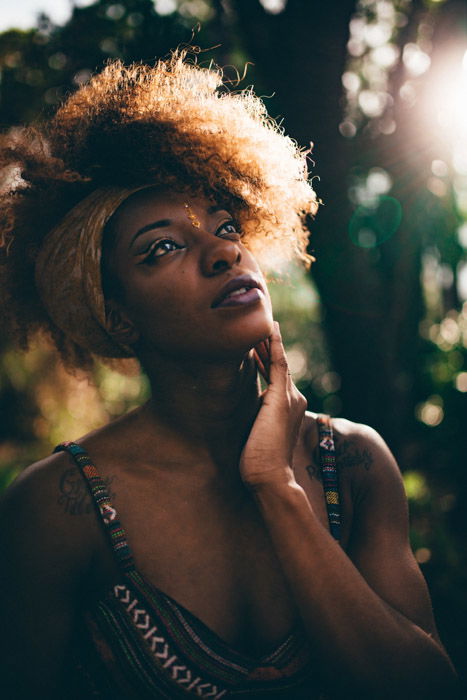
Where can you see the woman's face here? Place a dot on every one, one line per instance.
(189, 286)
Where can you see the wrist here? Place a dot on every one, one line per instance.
(279, 497)
(276, 478)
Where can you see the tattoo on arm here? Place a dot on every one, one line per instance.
(313, 469)
(349, 455)
(74, 493)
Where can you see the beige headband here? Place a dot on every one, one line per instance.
(68, 272)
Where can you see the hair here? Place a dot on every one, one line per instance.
(174, 124)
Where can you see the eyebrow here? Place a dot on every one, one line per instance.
(163, 223)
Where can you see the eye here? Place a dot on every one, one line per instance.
(227, 229)
(160, 248)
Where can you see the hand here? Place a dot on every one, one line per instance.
(267, 455)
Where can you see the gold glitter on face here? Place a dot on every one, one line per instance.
(195, 222)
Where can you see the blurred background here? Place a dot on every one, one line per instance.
(377, 332)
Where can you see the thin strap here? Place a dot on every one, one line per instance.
(105, 509)
(327, 453)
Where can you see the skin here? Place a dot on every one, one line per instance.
(217, 485)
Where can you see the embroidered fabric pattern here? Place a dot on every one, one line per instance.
(101, 498)
(329, 473)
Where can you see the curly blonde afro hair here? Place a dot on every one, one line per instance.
(174, 124)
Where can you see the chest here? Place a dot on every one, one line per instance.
(203, 543)
(209, 554)
(208, 549)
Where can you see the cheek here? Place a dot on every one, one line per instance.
(152, 307)
(165, 314)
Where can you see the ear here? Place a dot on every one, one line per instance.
(119, 325)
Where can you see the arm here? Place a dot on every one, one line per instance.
(368, 614)
(43, 557)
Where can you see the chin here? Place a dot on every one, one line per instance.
(230, 337)
(266, 331)
(249, 333)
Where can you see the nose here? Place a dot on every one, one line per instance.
(220, 255)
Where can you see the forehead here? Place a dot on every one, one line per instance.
(153, 204)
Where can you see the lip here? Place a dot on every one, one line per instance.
(232, 286)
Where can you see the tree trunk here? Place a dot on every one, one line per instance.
(303, 50)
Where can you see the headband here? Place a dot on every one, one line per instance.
(68, 272)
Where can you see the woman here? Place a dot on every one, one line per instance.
(222, 552)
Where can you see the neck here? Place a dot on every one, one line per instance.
(205, 410)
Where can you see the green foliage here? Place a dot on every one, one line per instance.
(40, 66)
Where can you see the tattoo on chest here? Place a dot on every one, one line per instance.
(74, 493)
(349, 455)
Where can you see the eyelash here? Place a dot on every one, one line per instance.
(151, 256)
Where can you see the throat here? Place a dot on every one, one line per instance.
(211, 411)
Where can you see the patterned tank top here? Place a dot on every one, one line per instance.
(138, 643)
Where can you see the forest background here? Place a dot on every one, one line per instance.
(377, 332)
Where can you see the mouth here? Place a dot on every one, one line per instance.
(238, 292)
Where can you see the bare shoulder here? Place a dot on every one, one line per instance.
(371, 478)
(35, 484)
(50, 502)
(359, 439)
(48, 560)
(358, 447)
(55, 485)
(378, 543)
(370, 481)
(364, 459)
(36, 511)
(39, 485)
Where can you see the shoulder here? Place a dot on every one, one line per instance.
(369, 476)
(36, 513)
(356, 445)
(348, 434)
(48, 560)
(373, 482)
(379, 544)
(33, 487)
(38, 484)
(363, 456)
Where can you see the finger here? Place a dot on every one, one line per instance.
(279, 368)
(260, 365)
(263, 351)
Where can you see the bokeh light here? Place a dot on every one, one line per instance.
(165, 7)
(461, 382)
(431, 411)
(372, 224)
(274, 6)
(416, 487)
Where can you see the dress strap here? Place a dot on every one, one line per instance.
(327, 454)
(106, 511)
